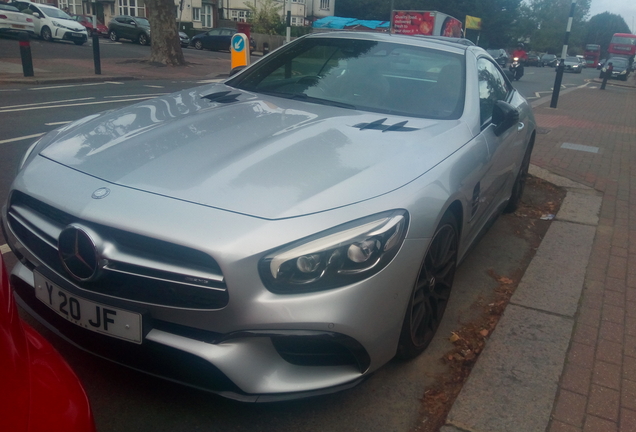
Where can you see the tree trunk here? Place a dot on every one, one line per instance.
(165, 44)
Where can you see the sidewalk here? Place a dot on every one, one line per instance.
(563, 357)
(83, 70)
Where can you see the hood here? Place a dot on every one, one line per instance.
(252, 154)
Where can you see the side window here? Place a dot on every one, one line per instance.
(492, 87)
(34, 9)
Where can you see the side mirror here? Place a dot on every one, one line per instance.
(237, 69)
(35, 14)
(504, 116)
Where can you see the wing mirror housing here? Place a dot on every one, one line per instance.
(504, 116)
(36, 14)
(237, 69)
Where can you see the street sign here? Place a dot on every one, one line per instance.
(240, 49)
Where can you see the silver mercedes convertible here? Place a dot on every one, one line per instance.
(283, 233)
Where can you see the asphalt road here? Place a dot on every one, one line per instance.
(125, 400)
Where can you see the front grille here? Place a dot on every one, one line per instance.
(138, 268)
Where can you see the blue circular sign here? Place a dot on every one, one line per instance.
(238, 43)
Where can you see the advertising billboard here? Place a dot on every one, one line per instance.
(430, 23)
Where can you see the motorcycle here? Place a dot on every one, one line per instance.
(516, 68)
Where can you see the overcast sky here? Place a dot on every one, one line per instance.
(625, 8)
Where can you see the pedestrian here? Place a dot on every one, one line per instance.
(607, 74)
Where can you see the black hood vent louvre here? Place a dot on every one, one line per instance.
(379, 125)
(222, 97)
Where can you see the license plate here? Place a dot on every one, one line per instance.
(20, 26)
(79, 35)
(92, 316)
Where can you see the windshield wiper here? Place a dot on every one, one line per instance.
(304, 97)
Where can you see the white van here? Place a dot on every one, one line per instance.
(52, 23)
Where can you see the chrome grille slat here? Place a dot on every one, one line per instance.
(44, 229)
(136, 268)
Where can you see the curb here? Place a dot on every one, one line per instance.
(515, 381)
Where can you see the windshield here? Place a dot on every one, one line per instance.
(618, 61)
(55, 13)
(572, 59)
(362, 74)
(9, 8)
(494, 52)
(624, 40)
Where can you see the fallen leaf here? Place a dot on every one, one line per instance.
(454, 337)
(484, 332)
(505, 280)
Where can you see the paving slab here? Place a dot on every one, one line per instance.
(554, 280)
(513, 385)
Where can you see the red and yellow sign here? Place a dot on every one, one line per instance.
(473, 22)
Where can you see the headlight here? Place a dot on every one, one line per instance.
(623, 73)
(57, 24)
(516, 59)
(335, 258)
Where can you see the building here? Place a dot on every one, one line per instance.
(202, 14)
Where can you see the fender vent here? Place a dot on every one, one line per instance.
(379, 125)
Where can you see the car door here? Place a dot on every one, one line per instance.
(208, 39)
(37, 22)
(506, 148)
(126, 27)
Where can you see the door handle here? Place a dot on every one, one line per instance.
(520, 126)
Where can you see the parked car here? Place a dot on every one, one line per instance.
(548, 60)
(500, 56)
(40, 392)
(532, 60)
(136, 29)
(217, 39)
(52, 24)
(185, 40)
(572, 64)
(620, 68)
(13, 21)
(87, 21)
(332, 190)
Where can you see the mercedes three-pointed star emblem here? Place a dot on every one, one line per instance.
(78, 252)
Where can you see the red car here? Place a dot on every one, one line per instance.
(38, 390)
(87, 21)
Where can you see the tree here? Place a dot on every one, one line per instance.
(266, 18)
(602, 27)
(165, 44)
(551, 17)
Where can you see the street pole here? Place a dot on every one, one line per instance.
(561, 64)
(288, 31)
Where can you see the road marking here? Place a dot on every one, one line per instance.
(22, 138)
(10, 90)
(136, 95)
(57, 123)
(151, 86)
(4, 249)
(46, 103)
(77, 104)
(75, 85)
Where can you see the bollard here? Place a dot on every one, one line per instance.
(96, 58)
(608, 73)
(25, 54)
(265, 48)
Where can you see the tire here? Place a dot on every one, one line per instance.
(198, 45)
(431, 292)
(143, 39)
(46, 34)
(79, 42)
(113, 36)
(520, 181)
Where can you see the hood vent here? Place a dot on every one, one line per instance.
(379, 125)
(222, 97)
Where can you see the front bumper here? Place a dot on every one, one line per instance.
(239, 349)
(70, 35)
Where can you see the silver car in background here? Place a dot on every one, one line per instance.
(279, 235)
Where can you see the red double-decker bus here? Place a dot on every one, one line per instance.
(592, 54)
(623, 44)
